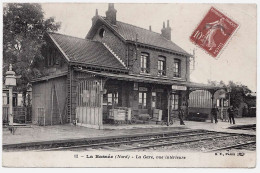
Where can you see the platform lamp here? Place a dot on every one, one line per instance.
(10, 82)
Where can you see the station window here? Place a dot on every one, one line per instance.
(175, 101)
(176, 68)
(162, 65)
(142, 99)
(112, 98)
(144, 63)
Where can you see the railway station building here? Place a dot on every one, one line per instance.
(119, 72)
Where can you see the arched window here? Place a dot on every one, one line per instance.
(102, 32)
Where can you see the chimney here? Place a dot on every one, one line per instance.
(111, 14)
(150, 28)
(166, 32)
(94, 18)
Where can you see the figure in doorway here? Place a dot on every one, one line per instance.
(181, 115)
(231, 112)
(214, 113)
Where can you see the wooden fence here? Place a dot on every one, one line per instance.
(89, 109)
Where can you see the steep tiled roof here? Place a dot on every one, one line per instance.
(129, 32)
(85, 51)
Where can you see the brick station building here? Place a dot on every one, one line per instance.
(116, 66)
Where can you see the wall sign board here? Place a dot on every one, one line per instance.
(142, 89)
(179, 87)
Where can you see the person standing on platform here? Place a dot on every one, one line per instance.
(214, 113)
(181, 115)
(231, 113)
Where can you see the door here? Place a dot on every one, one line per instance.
(161, 103)
(89, 104)
(110, 102)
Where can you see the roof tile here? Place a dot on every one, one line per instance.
(86, 51)
(129, 32)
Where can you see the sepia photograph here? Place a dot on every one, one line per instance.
(129, 85)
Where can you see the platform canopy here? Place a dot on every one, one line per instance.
(200, 86)
(156, 80)
(136, 78)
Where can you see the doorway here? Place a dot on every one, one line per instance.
(161, 103)
(111, 100)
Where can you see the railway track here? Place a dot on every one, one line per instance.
(157, 141)
(56, 145)
(236, 146)
(145, 142)
(107, 145)
(244, 127)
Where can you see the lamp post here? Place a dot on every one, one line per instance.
(10, 82)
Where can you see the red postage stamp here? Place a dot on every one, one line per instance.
(213, 32)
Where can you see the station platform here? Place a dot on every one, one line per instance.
(69, 132)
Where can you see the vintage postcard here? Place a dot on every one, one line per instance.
(129, 85)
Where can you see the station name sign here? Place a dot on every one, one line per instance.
(179, 87)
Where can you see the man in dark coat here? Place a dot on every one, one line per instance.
(231, 113)
(181, 115)
(214, 112)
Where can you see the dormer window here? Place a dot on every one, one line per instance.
(162, 66)
(102, 32)
(144, 63)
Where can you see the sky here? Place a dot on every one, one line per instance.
(236, 62)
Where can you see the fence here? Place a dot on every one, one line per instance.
(19, 113)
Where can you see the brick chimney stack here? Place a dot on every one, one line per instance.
(111, 14)
(94, 18)
(166, 31)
